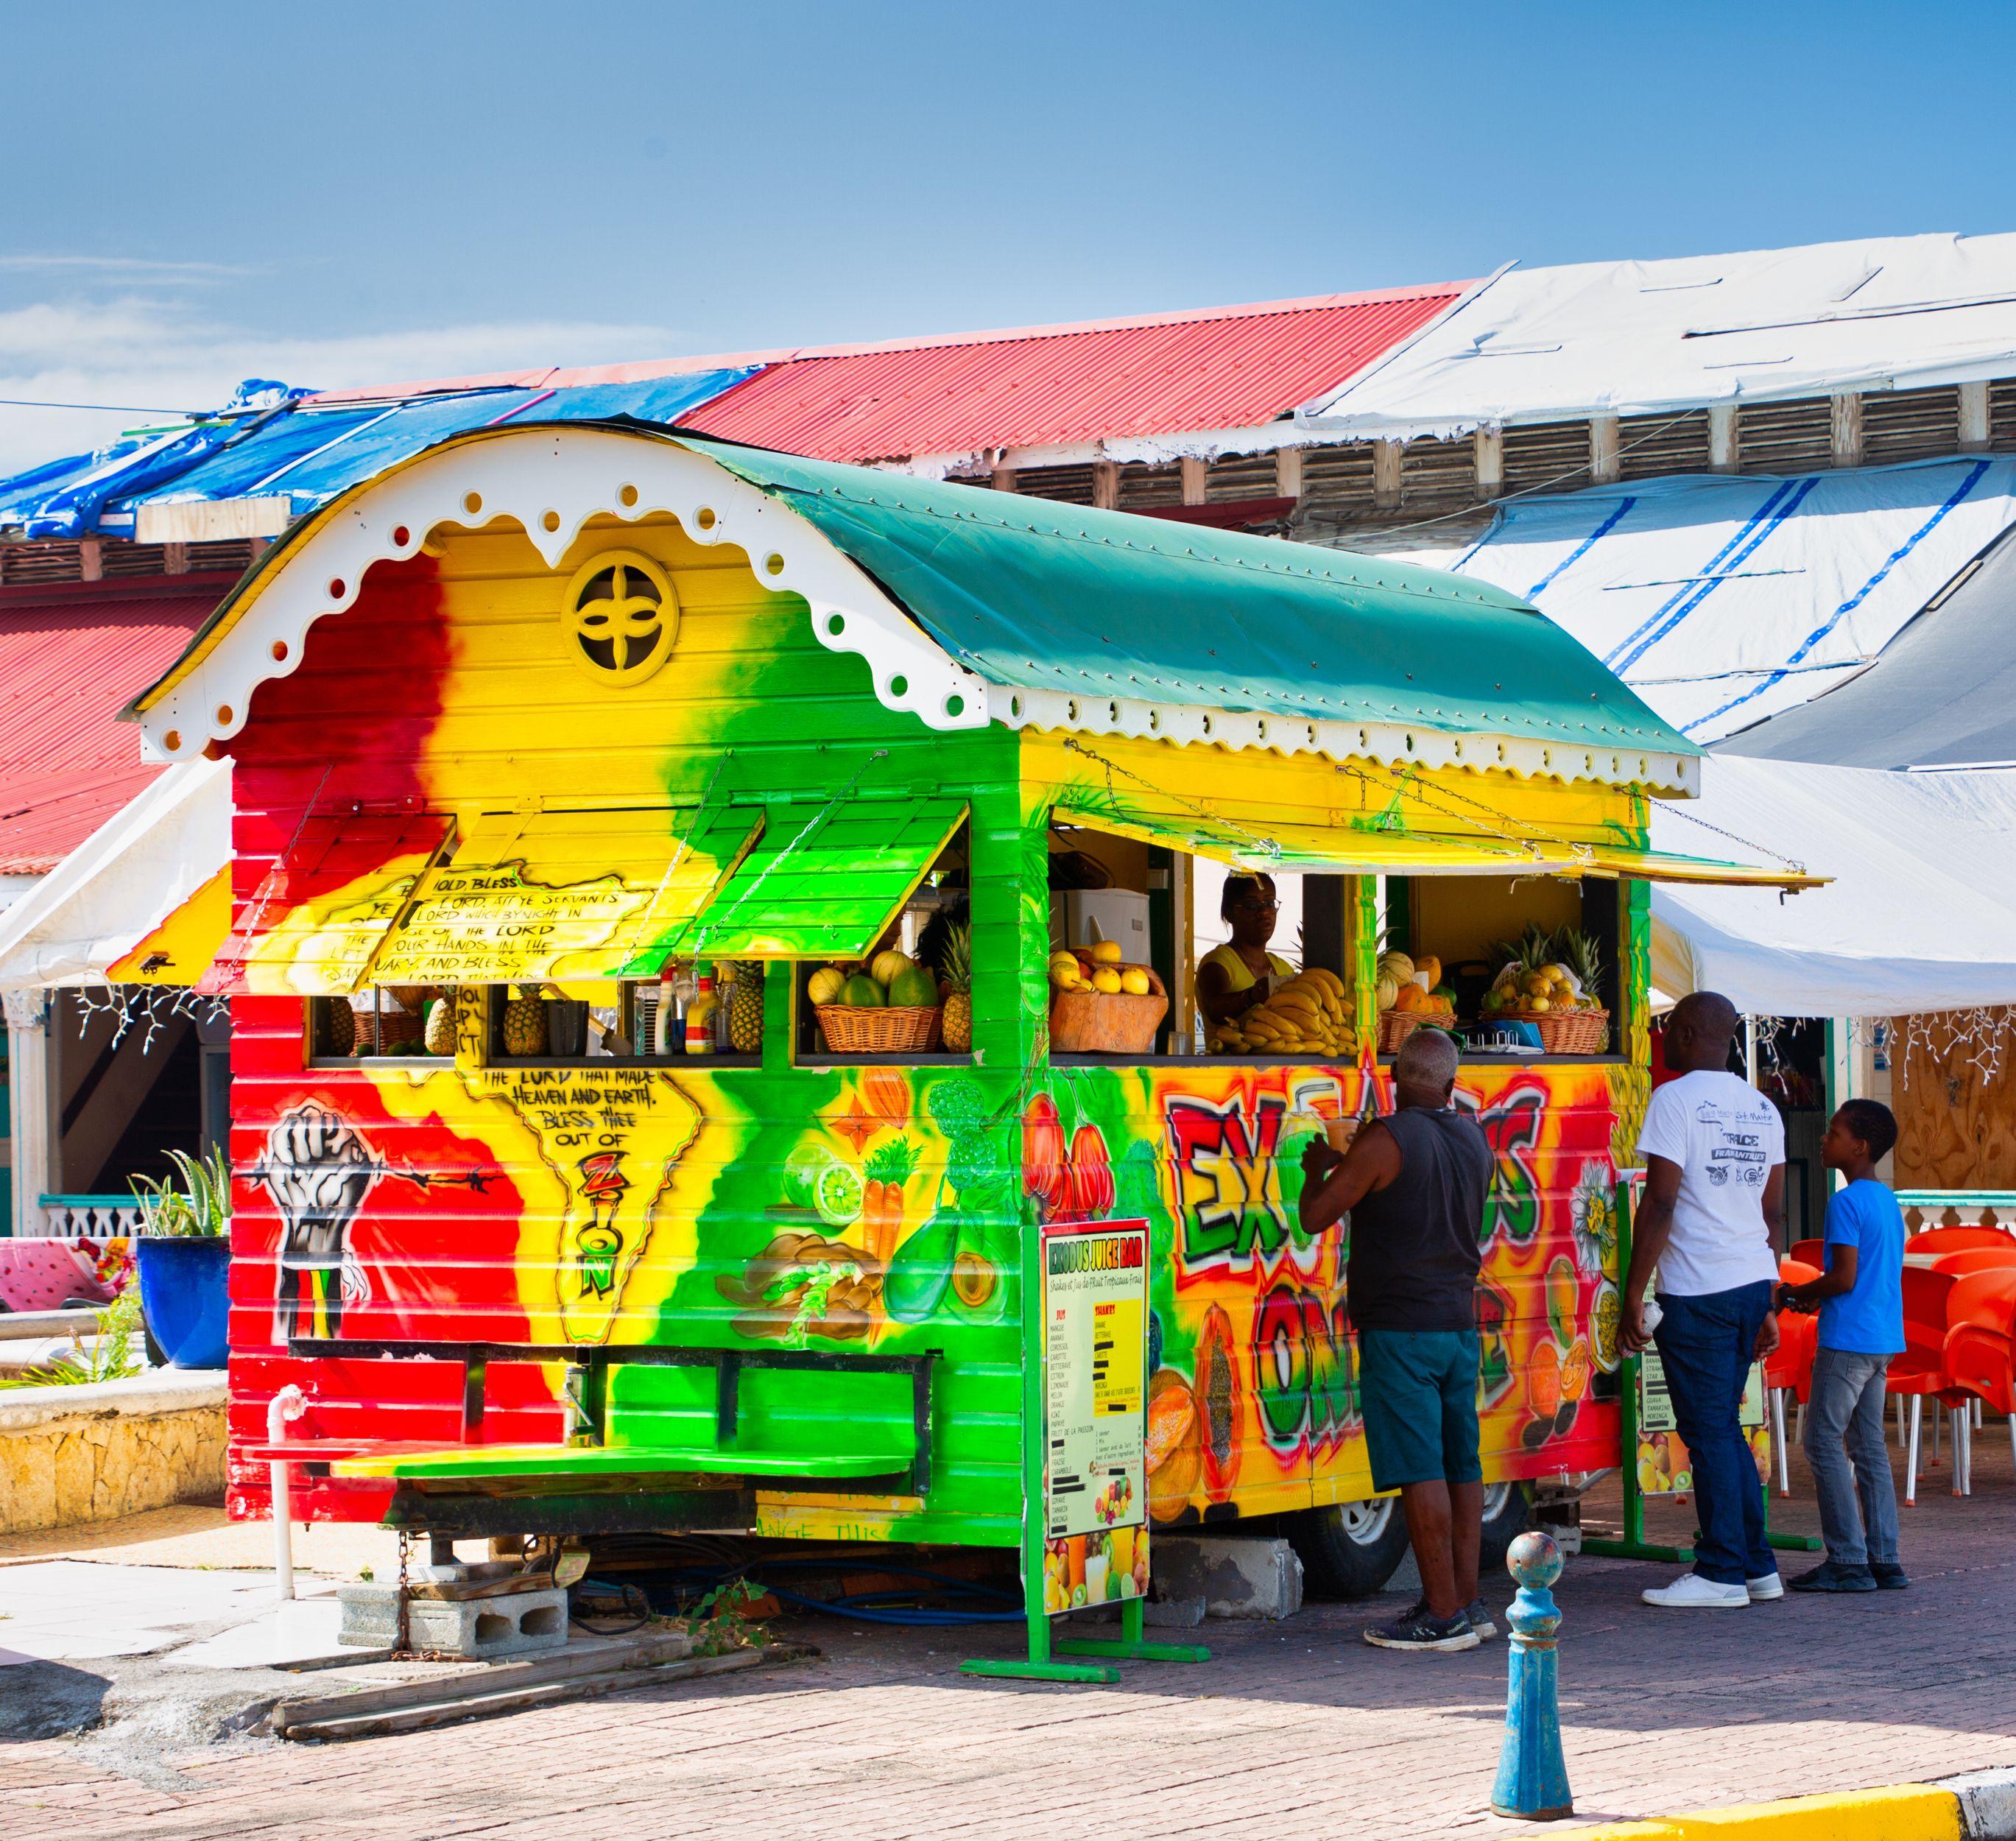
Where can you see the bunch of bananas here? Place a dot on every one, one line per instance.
(1310, 1011)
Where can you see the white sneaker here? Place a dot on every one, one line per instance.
(1691, 1592)
(1764, 1590)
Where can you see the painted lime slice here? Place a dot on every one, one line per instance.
(802, 1170)
(837, 1195)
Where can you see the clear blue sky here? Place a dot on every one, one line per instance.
(368, 192)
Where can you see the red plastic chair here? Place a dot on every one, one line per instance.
(1981, 1356)
(1972, 1259)
(1810, 1252)
(1920, 1373)
(1956, 1240)
(1789, 1368)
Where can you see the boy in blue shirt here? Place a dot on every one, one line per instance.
(1860, 1298)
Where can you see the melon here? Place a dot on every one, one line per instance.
(862, 993)
(884, 966)
(826, 985)
(913, 987)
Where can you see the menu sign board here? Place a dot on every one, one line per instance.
(1095, 1361)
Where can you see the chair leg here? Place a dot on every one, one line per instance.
(1778, 1439)
(1934, 1464)
(1966, 1451)
(1911, 1461)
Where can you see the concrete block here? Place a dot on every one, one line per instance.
(1173, 1613)
(1987, 1804)
(1235, 1576)
(509, 1624)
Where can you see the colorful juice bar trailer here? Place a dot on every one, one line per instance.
(530, 732)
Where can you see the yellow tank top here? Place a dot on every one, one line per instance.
(1238, 977)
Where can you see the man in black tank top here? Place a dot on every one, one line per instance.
(1414, 1185)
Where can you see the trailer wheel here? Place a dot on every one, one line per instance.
(1350, 1549)
(1508, 1513)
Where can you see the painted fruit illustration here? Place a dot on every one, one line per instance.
(1575, 1372)
(973, 1281)
(922, 1269)
(837, 1195)
(1605, 1317)
(1563, 1292)
(1176, 1444)
(1543, 1380)
(1222, 1401)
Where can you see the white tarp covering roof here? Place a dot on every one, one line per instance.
(1921, 914)
(1723, 600)
(1637, 338)
(122, 881)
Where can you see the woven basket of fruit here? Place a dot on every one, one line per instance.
(1569, 1032)
(1396, 1025)
(883, 1029)
(890, 1006)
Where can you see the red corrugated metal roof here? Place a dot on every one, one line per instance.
(1233, 367)
(1155, 373)
(72, 655)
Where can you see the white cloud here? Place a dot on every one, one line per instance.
(155, 355)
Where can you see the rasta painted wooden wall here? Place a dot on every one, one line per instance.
(454, 1199)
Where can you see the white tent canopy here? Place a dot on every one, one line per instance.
(1724, 601)
(1535, 345)
(122, 881)
(1921, 915)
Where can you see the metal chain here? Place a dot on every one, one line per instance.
(404, 1644)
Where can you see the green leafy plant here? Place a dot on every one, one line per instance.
(717, 1624)
(111, 1355)
(194, 1204)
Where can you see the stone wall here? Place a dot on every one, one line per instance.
(72, 1454)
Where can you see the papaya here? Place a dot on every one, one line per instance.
(862, 993)
(913, 988)
(1221, 1399)
(1176, 1444)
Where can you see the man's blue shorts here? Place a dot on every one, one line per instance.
(1419, 1388)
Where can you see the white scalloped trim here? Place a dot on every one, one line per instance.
(1394, 743)
(570, 475)
(552, 481)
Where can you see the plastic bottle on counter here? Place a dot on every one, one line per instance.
(700, 1018)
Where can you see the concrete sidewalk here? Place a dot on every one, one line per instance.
(1297, 1727)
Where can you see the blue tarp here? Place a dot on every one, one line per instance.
(307, 454)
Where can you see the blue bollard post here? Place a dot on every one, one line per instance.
(1532, 1774)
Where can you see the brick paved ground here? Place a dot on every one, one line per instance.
(1291, 1728)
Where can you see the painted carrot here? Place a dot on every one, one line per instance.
(885, 1174)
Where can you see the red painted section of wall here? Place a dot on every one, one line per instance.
(435, 1235)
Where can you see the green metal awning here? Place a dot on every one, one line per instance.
(825, 881)
(1036, 595)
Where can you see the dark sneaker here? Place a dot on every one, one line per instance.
(1417, 1629)
(1479, 1614)
(1827, 1577)
(1890, 1577)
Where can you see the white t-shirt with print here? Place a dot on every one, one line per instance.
(1726, 1137)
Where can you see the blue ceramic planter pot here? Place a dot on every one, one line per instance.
(184, 1290)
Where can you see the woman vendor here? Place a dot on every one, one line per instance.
(1232, 978)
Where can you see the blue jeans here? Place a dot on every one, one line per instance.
(1706, 1344)
(1845, 1446)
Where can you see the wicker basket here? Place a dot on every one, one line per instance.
(1396, 1025)
(1568, 1032)
(874, 1030)
(1104, 1022)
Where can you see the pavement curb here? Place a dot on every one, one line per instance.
(1978, 1806)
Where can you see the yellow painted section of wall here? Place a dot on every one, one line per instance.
(1250, 788)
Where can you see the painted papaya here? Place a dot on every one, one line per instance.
(1563, 1294)
(1175, 1445)
(1221, 1400)
(919, 1275)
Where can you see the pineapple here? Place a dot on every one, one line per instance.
(958, 968)
(342, 1027)
(745, 1006)
(439, 1039)
(525, 1024)
(1578, 952)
